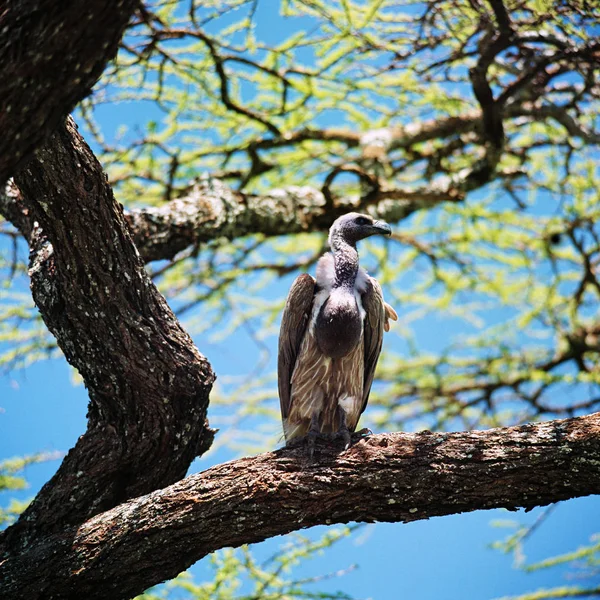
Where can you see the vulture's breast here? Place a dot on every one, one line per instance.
(338, 326)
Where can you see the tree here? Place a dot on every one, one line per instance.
(469, 123)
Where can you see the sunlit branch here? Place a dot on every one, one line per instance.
(395, 477)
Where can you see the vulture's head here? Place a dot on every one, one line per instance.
(354, 227)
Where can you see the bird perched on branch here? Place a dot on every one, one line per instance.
(330, 338)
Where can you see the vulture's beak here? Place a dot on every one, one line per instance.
(381, 228)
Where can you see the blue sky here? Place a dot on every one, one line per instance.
(443, 558)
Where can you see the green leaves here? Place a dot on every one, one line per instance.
(241, 575)
(582, 562)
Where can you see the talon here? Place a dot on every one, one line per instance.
(343, 431)
(311, 438)
(345, 434)
(313, 433)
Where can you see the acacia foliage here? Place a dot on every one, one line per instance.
(489, 105)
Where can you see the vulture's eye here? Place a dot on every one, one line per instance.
(362, 221)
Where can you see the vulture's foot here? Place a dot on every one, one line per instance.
(364, 432)
(330, 438)
(307, 441)
(314, 432)
(343, 433)
(311, 438)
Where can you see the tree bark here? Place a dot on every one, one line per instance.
(211, 210)
(396, 477)
(147, 382)
(51, 54)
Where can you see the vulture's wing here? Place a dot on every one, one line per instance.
(294, 321)
(376, 320)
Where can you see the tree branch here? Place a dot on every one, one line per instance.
(219, 62)
(502, 17)
(212, 210)
(148, 384)
(396, 477)
(395, 137)
(51, 54)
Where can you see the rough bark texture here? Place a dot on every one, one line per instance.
(148, 384)
(395, 477)
(212, 210)
(51, 54)
(14, 210)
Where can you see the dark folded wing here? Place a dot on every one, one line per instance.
(375, 316)
(294, 321)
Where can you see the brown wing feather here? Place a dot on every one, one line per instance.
(296, 315)
(375, 321)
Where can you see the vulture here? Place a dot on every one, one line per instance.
(330, 338)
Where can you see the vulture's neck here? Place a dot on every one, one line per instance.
(345, 259)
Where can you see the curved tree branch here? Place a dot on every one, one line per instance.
(396, 477)
(51, 54)
(148, 384)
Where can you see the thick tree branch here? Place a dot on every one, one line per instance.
(51, 54)
(396, 477)
(147, 382)
(212, 210)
